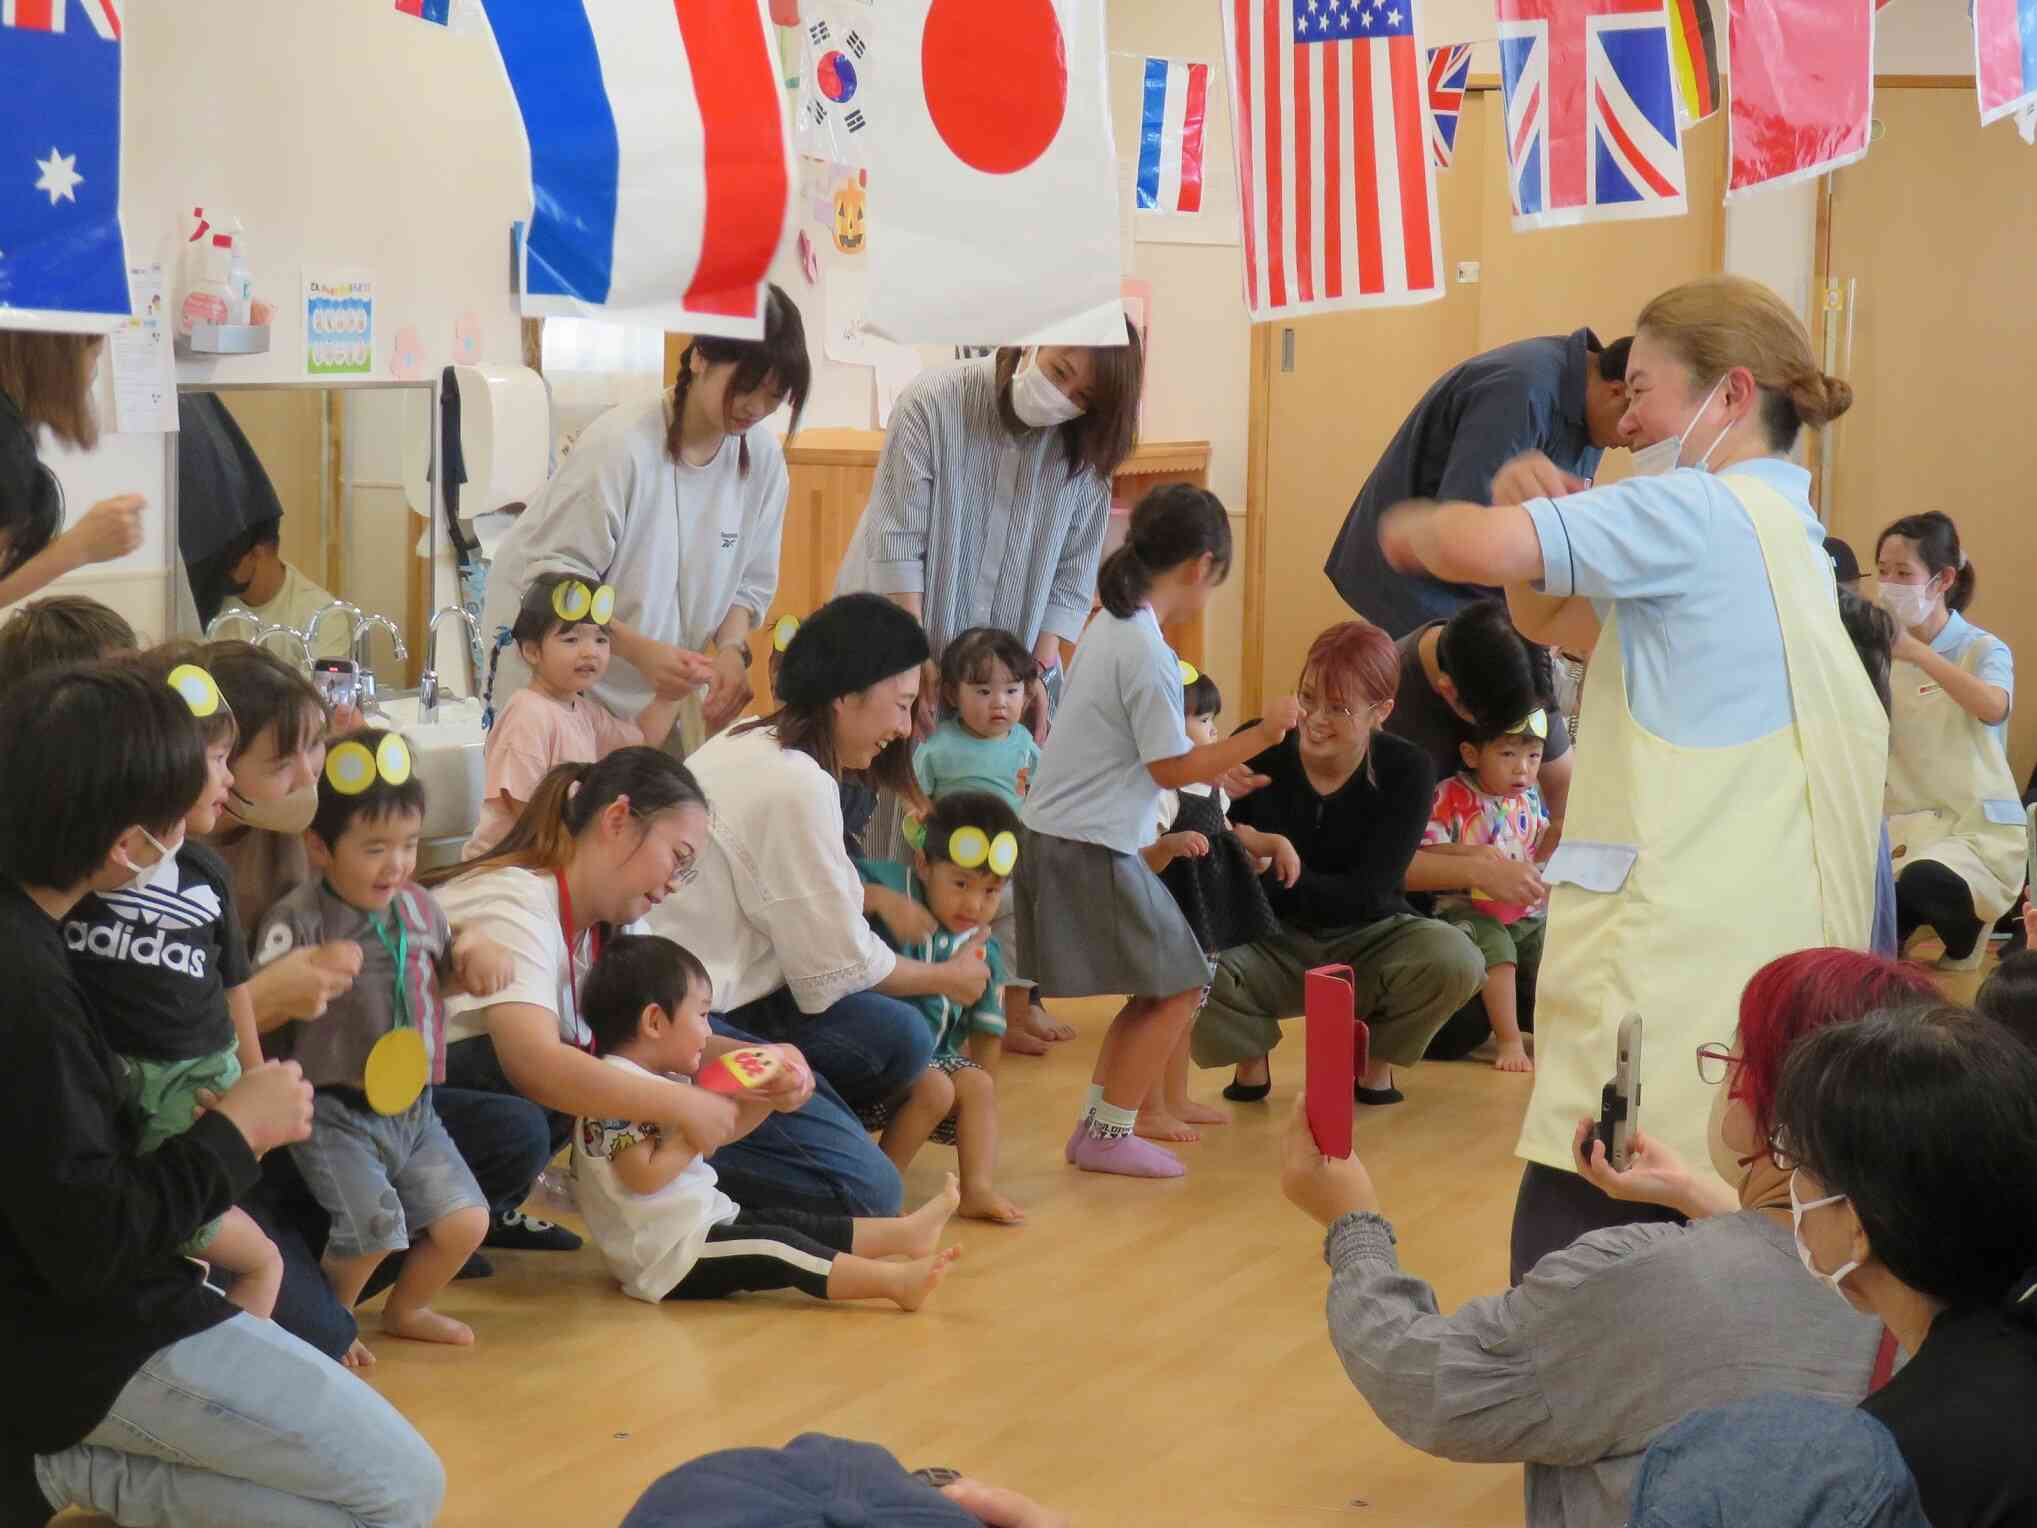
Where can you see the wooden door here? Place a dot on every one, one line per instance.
(286, 427)
(1934, 231)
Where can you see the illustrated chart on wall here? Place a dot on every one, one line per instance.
(339, 324)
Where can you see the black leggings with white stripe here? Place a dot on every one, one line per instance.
(768, 1249)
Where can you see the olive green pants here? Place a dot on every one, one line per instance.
(1410, 975)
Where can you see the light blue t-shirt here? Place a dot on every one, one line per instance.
(1698, 628)
(956, 759)
(1120, 712)
(1997, 664)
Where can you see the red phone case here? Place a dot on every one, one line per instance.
(1339, 1044)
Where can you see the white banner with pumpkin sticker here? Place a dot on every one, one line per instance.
(993, 176)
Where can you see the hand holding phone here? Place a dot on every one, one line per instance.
(1620, 1100)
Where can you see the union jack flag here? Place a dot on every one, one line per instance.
(1449, 69)
(51, 15)
(1590, 111)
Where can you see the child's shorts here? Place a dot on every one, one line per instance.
(166, 1093)
(384, 1178)
(1502, 944)
(944, 1133)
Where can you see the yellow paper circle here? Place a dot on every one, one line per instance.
(396, 1072)
(915, 831)
(392, 760)
(571, 601)
(1004, 853)
(602, 607)
(197, 688)
(968, 847)
(783, 633)
(350, 768)
(1189, 672)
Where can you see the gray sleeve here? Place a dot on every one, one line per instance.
(760, 569)
(901, 504)
(289, 925)
(577, 522)
(1068, 600)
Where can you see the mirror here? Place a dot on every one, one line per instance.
(289, 498)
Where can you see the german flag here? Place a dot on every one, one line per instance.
(1694, 51)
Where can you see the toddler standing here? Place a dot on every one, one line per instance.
(1493, 807)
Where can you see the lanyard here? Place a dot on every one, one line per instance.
(572, 967)
(399, 951)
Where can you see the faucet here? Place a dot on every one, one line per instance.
(428, 683)
(303, 645)
(239, 615)
(354, 616)
(362, 628)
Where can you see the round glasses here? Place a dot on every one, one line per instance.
(1715, 1063)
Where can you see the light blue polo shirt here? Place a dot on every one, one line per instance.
(1997, 664)
(1698, 628)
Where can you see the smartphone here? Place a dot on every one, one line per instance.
(337, 680)
(1339, 1046)
(1620, 1100)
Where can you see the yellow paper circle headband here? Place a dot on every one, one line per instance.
(199, 690)
(1189, 673)
(350, 768)
(1536, 722)
(783, 633)
(575, 601)
(969, 847)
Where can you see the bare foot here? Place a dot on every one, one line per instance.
(426, 1325)
(1197, 1114)
(924, 1225)
(1020, 1041)
(1164, 1127)
(1513, 1058)
(358, 1356)
(1042, 1025)
(917, 1281)
(992, 1206)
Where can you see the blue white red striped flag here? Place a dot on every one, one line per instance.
(1336, 191)
(1176, 101)
(63, 265)
(2005, 56)
(661, 165)
(438, 11)
(1591, 104)
(1449, 72)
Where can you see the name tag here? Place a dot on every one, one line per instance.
(1930, 687)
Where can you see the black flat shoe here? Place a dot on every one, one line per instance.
(1249, 1092)
(1377, 1096)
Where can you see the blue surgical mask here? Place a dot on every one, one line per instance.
(1666, 455)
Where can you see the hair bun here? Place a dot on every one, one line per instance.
(1820, 398)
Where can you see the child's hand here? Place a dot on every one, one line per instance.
(909, 922)
(2030, 924)
(674, 672)
(270, 1106)
(304, 981)
(1183, 846)
(966, 973)
(483, 967)
(1281, 718)
(1025, 781)
(1286, 863)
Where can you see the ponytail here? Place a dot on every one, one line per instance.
(502, 640)
(1172, 525)
(568, 800)
(1938, 548)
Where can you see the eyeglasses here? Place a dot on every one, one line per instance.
(1715, 1063)
(1314, 706)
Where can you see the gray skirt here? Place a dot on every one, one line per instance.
(1095, 922)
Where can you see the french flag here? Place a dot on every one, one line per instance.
(660, 158)
(1170, 136)
(2005, 56)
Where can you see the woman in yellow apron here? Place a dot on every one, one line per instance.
(1726, 803)
(1955, 821)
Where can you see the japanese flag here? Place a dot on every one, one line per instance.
(993, 186)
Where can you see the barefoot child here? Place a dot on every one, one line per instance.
(1092, 917)
(1212, 868)
(981, 745)
(1494, 806)
(379, 1160)
(667, 1230)
(561, 631)
(960, 876)
(163, 966)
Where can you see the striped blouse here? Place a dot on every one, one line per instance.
(987, 527)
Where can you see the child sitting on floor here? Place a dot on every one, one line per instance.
(1212, 867)
(960, 874)
(663, 1224)
(379, 1160)
(163, 966)
(561, 631)
(1493, 805)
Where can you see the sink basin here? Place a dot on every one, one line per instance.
(447, 756)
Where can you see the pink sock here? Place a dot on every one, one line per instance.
(1128, 1156)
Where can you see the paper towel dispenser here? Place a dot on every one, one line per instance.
(505, 436)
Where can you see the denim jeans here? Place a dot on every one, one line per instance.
(246, 1424)
(870, 1048)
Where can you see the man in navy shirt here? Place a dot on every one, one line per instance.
(1562, 396)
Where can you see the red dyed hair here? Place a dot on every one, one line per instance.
(1356, 664)
(1794, 995)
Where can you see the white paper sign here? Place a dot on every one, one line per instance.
(138, 354)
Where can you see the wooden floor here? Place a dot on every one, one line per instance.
(1140, 1353)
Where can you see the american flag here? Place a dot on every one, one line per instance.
(1449, 69)
(1590, 111)
(1335, 186)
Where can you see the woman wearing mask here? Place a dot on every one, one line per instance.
(989, 509)
(1725, 700)
(1955, 820)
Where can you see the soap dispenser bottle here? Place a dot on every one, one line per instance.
(240, 282)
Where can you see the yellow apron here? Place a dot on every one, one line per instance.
(1951, 797)
(1744, 853)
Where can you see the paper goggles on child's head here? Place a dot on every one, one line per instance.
(971, 848)
(783, 633)
(576, 601)
(199, 690)
(350, 768)
(1536, 723)
(1189, 673)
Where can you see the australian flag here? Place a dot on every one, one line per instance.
(62, 265)
(1590, 111)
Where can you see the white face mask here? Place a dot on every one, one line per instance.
(1036, 400)
(1797, 1210)
(1666, 455)
(142, 873)
(1911, 604)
